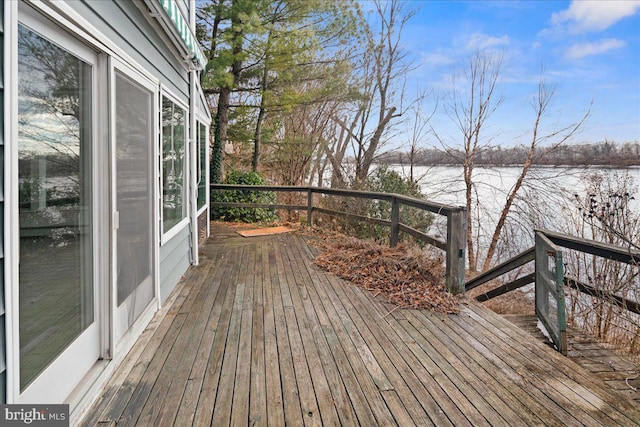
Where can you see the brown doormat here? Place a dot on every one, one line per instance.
(264, 231)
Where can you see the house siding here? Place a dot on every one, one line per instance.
(126, 24)
(130, 35)
(202, 102)
(3, 364)
(175, 258)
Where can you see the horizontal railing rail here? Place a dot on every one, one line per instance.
(627, 304)
(454, 246)
(592, 247)
(507, 266)
(604, 250)
(438, 208)
(507, 287)
(259, 206)
(417, 234)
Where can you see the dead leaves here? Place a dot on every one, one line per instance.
(406, 278)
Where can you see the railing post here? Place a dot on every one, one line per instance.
(395, 221)
(309, 207)
(456, 245)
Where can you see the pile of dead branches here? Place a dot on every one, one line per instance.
(407, 278)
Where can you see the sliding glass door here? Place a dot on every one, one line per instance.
(134, 132)
(58, 324)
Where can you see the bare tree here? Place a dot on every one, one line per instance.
(342, 134)
(381, 73)
(303, 133)
(605, 212)
(558, 136)
(469, 108)
(419, 132)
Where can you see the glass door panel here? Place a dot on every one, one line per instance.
(134, 199)
(56, 286)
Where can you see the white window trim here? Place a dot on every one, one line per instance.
(12, 233)
(39, 22)
(202, 209)
(201, 119)
(184, 222)
(204, 115)
(68, 18)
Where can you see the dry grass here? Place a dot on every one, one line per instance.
(514, 302)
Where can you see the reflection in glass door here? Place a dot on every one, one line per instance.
(56, 286)
(134, 199)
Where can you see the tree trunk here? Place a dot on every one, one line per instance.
(505, 212)
(257, 139)
(220, 135)
(222, 114)
(215, 172)
(362, 169)
(468, 170)
(262, 113)
(337, 153)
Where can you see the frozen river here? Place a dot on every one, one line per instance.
(547, 200)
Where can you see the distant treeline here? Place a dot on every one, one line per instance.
(48, 164)
(587, 154)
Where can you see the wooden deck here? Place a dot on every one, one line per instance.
(258, 335)
(619, 371)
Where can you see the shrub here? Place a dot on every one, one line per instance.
(263, 215)
(383, 180)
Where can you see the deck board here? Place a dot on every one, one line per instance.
(211, 379)
(618, 370)
(258, 335)
(573, 388)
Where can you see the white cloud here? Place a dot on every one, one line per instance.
(588, 15)
(479, 41)
(436, 59)
(581, 50)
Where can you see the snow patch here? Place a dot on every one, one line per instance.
(542, 329)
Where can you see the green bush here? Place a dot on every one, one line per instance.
(384, 180)
(262, 215)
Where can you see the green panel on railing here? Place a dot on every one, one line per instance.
(550, 307)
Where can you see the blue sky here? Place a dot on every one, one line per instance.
(590, 50)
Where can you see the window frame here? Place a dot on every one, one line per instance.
(36, 18)
(135, 75)
(166, 236)
(203, 169)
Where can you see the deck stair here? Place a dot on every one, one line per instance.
(619, 371)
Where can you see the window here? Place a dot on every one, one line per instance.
(55, 129)
(202, 164)
(174, 201)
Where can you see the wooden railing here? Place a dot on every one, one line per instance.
(592, 247)
(604, 250)
(454, 246)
